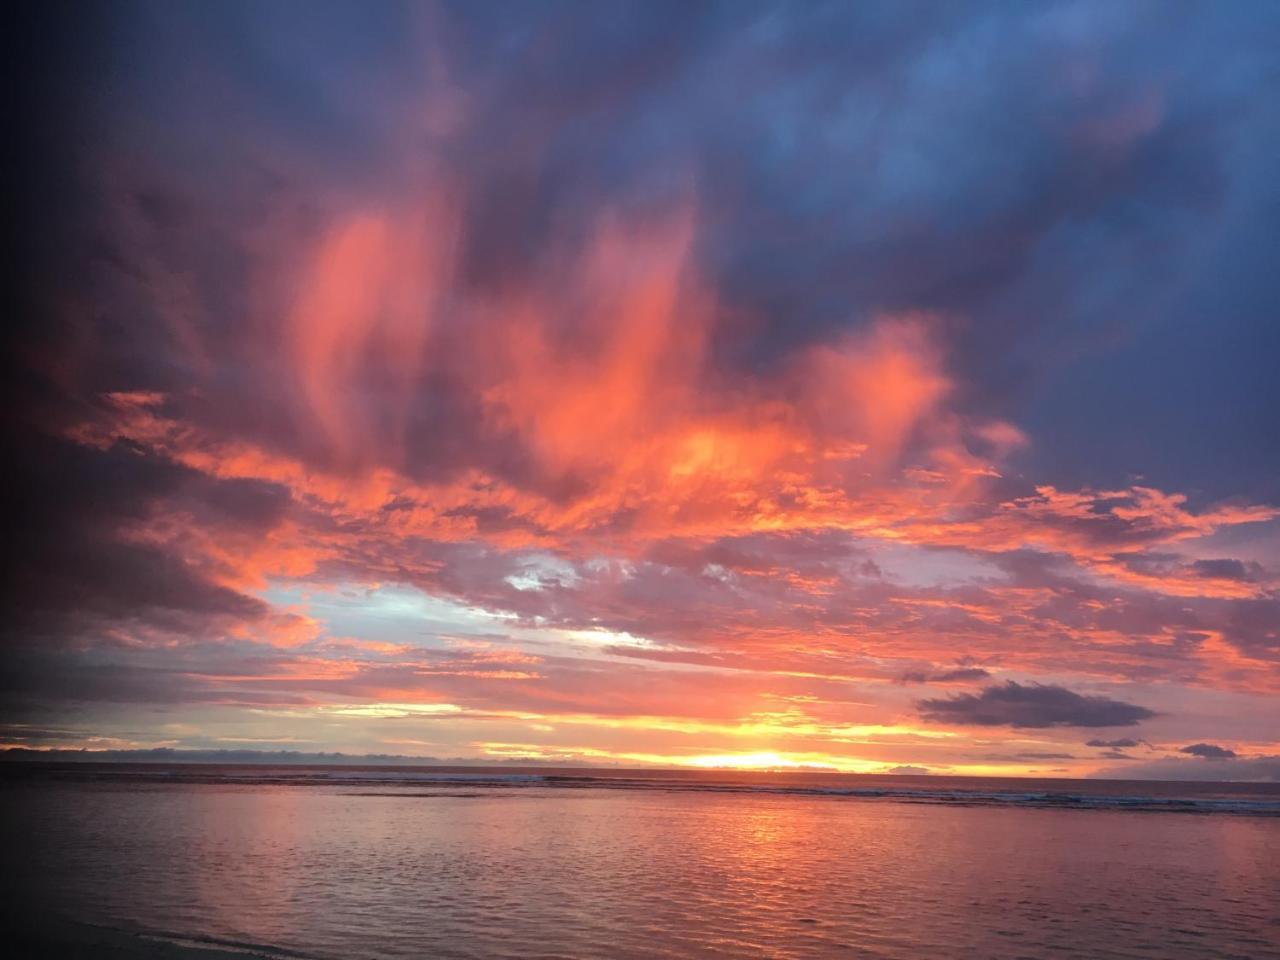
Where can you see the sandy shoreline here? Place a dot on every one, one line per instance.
(82, 941)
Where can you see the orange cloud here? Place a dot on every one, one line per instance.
(585, 418)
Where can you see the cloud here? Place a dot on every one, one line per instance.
(1263, 769)
(1035, 705)
(958, 674)
(1225, 569)
(1209, 751)
(909, 770)
(224, 756)
(567, 341)
(1114, 744)
(85, 570)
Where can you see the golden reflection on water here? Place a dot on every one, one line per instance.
(446, 871)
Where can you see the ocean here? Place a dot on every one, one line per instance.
(382, 862)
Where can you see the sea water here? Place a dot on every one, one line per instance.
(343, 862)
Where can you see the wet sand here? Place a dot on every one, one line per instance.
(81, 941)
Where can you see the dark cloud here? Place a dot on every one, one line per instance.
(1264, 769)
(1012, 704)
(1209, 751)
(956, 675)
(1169, 564)
(250, 756)
(74, 571)
(1114, 744)
(1254, 626)
(171, 755)
(834, 153)
(1224, 569)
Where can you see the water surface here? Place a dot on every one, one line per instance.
(380, 863)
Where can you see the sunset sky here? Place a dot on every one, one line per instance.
(878, 386)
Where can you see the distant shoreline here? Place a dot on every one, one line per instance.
(1148, 796)
(289, 758)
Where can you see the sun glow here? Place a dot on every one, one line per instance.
(762, 760)
(392, 710)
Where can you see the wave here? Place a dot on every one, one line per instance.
(958, 797)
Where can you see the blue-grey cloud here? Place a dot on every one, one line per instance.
(1264, 769)
(1012, 704)
(954, 675)
(1038, 171)
(1209, 751)
(1223, 569)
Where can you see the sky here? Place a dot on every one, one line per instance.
(876, 387)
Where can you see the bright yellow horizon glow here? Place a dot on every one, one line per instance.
(761, 760)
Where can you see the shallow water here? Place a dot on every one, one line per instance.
(446, 865)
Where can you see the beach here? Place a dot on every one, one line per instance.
(79, 941)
